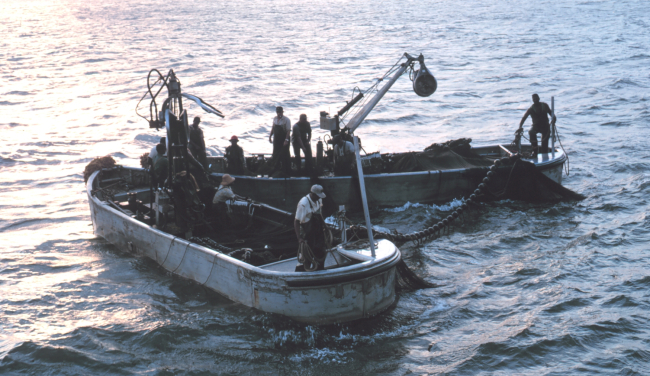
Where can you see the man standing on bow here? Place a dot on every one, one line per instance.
(309, 227)
(197, 143)
(538, 112)
(279, 137)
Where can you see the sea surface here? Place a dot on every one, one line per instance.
(527, 289)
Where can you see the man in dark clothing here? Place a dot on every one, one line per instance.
(279, 137)
(197, 143)
(161, 166)
(538, 112)
(235, 158)
(301, 140)
(344, 156)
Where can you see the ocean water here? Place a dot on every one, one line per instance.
(550, 289)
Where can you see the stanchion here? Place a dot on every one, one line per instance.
(362, 187)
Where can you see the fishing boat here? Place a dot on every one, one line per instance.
(243, 250)
(454, 177)
(438, 174)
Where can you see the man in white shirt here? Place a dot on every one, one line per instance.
(279, 137)
(309, 224)
(343, 156)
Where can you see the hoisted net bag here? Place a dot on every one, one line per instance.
(526, 183)
(98, 164)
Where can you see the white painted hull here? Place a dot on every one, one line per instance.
(321, 297)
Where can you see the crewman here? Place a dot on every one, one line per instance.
(161, 166)
(153, 154)
(301, 140)
(235, 158)
(538, 112)
(197, 143)
(343, 156)
(309, 227)
(224, 192)
(279, 137)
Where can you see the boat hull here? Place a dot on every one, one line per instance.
(322, 297)
(386, 189)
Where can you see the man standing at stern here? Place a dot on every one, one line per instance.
(279, 137)
(538, 112)
(309, 226)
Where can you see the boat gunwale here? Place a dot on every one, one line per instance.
(297, 279)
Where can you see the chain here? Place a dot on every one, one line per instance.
(443, 225)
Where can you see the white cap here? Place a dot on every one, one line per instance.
(317, 190)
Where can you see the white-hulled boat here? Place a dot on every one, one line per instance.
(346, 293)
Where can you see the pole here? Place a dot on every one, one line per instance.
(553, 128)
(361, 115)
(362, 187)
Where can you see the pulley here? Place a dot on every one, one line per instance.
(424, 84)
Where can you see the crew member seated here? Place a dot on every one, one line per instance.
(343, 156)
(309, 226)
(235, 158)
(224, 192)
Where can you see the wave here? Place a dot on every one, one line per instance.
(455, 203)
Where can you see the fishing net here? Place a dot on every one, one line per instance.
(453, 154)
(98, 164)
(522, 182)
(525, 182)
(407, 280)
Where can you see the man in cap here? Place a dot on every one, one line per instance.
(538, 112)
(224, 192)
(279, 137)
(235, 158)
(343, 156)
(309, 226)
(221, 197)
(197, 143)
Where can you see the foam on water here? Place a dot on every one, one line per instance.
(445, 207)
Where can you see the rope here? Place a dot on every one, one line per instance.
(306, 257)
(566, 168)
(519, 135)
